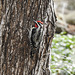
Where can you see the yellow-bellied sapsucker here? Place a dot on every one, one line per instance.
(36, 36)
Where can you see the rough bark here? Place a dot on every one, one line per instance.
(17, 18)
(0, 21)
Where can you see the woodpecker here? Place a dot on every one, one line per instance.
(36, 35)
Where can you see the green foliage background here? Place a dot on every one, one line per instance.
(63, 49)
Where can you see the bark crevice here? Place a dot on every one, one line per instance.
(16, 20)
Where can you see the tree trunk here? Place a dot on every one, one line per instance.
(17, 19)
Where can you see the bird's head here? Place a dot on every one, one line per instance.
(38, 23)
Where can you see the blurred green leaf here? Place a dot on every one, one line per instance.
(62, 51)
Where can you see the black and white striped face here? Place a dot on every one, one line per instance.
(38, 24)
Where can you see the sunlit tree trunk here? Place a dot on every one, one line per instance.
(17, 19)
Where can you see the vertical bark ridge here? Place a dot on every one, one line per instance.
(17, 19)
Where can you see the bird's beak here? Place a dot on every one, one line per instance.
(34, 21)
